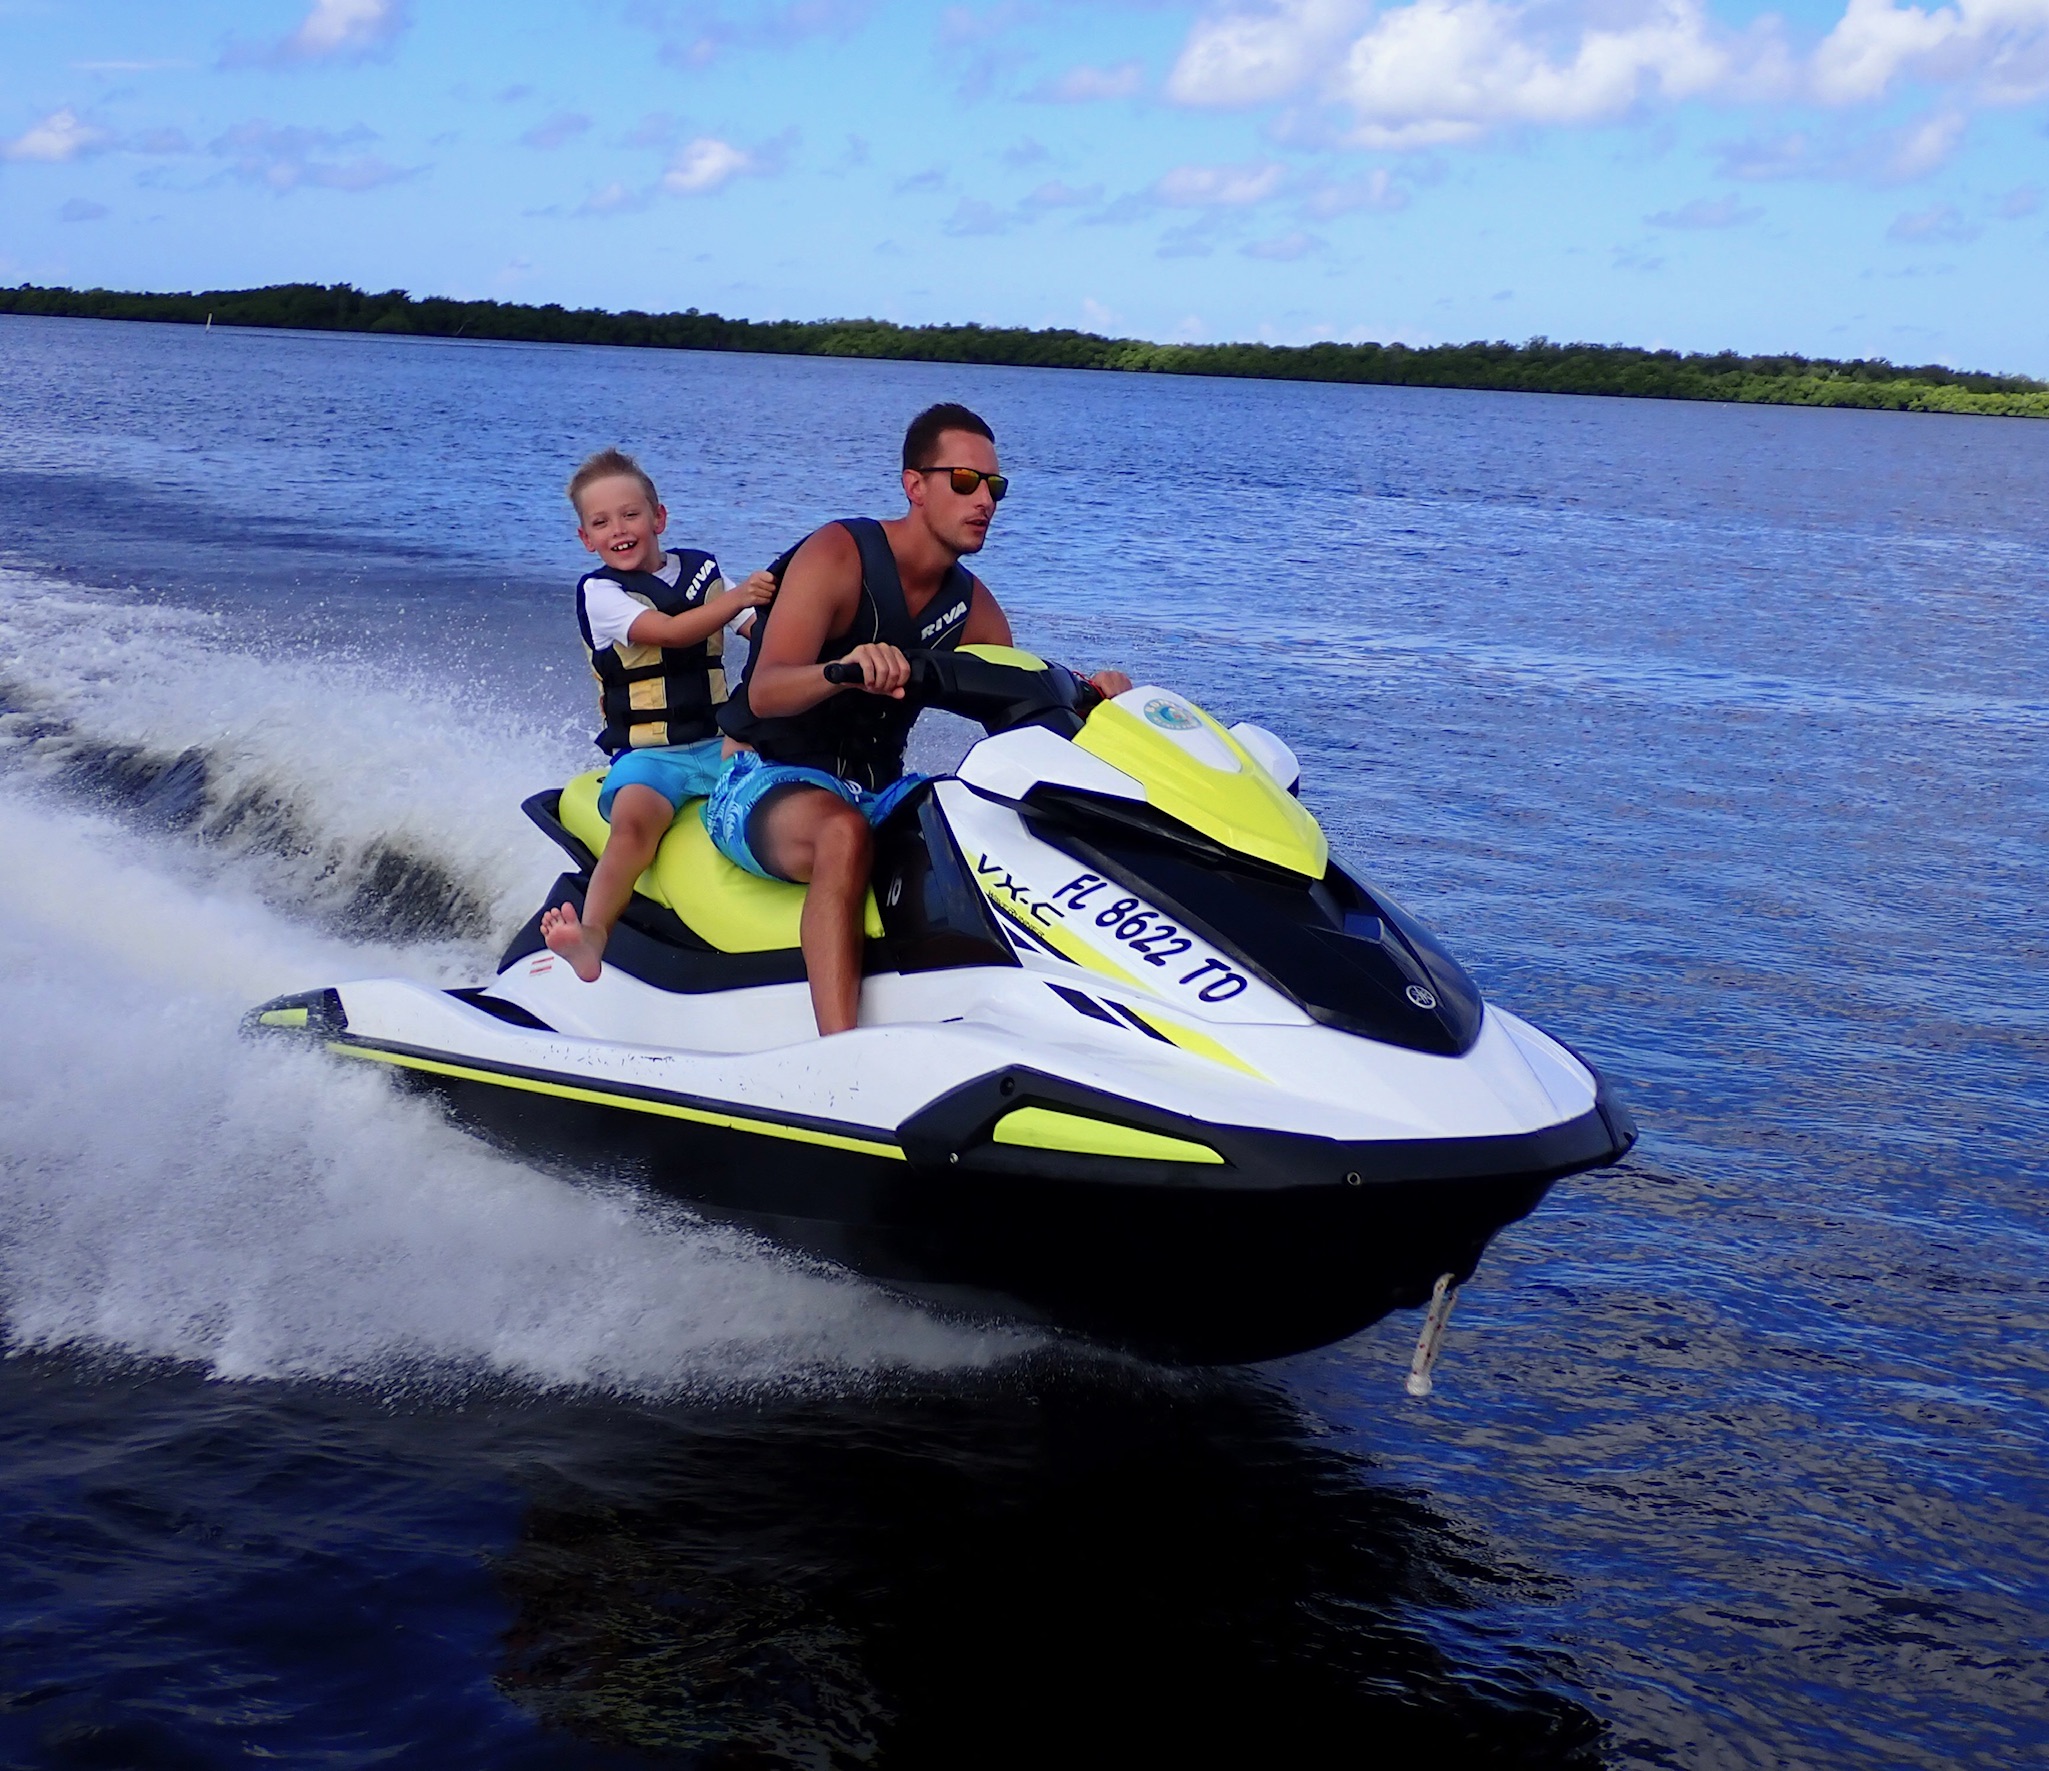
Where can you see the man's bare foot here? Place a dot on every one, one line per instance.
(583, 947)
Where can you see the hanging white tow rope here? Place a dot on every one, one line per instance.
(1432, 1338)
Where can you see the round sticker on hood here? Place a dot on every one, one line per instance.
(1169, 717)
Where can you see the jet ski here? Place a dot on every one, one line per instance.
(1137, 1057)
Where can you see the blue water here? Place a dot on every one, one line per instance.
(1714, 739)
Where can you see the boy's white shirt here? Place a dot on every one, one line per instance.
(612, 613)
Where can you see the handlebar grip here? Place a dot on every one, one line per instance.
(843, 673)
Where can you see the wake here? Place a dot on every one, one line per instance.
(348, 790)
(179, 840)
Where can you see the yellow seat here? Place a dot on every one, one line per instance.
(736, 911)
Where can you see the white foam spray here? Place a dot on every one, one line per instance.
(171, 1190)
(319, 770)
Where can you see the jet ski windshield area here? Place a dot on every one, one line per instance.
(1351, 957)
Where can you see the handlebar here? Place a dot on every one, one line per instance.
(996, 696)
(926, 671)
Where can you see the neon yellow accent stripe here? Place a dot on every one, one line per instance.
(1041, 1128)
(1069, 947)
(1249, 811)
(282, 1017)
(1200, 1044)
(1010, 655)
(768, 1128)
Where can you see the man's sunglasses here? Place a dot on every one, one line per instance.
(966, 479)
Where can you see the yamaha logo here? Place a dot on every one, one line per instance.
(1170, 717)
(1420, 997)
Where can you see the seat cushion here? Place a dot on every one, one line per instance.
(732, 909)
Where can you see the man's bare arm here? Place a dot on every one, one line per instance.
(820, 592)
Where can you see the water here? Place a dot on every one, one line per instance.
(1712, 738)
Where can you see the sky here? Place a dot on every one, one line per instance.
(1840, 178)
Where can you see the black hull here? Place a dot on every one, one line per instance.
(1196, 1273)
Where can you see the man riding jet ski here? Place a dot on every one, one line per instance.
(1135, 1056)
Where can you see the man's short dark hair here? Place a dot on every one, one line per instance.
(921, 441)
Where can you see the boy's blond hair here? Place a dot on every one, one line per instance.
(603, 466)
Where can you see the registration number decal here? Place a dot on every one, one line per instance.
(1092, 900)
(1151, 936)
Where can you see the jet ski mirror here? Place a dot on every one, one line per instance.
(1271, 754)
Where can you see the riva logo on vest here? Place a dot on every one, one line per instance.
(1169, 717)
(939, 623)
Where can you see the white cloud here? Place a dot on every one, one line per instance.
(1438, 71)
(62, 135)
(2022, 200)
(1431, 72)
(1941, 225)
(1441, 71)
(1914, 149)
(1220, 187)
(83, 209)
(1085, 84)
(613, 199)
(344, 30)
(1245, 56)
(977, 215)
(1705, 212)
(1997, 49)
(285, 157)
(705, 165)
(1377, 189)
(695, 33)
(1924, 145)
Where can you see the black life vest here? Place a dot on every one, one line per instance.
(856, 736)
(650, 695)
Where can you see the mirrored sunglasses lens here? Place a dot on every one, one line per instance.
(964, 480)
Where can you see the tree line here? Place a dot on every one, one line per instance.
(1537, 366)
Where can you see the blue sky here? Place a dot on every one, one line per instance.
(1845, 177)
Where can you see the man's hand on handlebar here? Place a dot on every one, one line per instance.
(884, 670)
(965, 683)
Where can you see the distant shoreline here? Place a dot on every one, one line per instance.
(1536, 367)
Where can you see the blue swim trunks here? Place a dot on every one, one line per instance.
(678, 772)
(750, 778)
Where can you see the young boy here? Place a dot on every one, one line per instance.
(654, 624)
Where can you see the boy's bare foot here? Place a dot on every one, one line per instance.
(583, 947)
